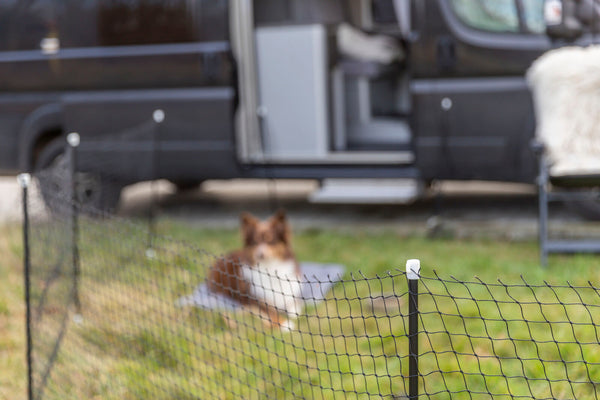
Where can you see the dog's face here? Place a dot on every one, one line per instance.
(266, 240)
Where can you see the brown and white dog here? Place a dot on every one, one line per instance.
(264, 273)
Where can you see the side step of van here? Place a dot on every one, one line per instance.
(368, 191)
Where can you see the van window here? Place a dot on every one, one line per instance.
(494, 16)
(24, 24)
(82, 23)
(126, 22)
(533, 14)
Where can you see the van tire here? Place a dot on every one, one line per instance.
(186, 186)
(94, 191)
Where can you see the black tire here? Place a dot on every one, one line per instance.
(186, 186)
(93, 190)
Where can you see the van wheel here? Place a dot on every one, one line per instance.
(94, 191)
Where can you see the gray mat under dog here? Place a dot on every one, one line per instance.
(317, 279)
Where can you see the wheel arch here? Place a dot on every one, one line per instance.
(39, 128)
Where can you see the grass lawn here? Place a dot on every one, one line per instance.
(134, 342)
(12, 316)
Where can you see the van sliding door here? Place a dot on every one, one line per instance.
(122, 59)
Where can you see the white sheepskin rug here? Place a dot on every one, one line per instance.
(566, 93)
(356, 44)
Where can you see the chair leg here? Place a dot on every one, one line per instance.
(542, 182)
(339, 107)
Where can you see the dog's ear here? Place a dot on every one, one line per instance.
(279, 216)
(280, 225)
(248, 224)
(247, 219)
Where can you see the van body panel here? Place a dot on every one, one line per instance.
(122, 67)
(101, 68)
(11, 121)
(194, 142)
(464, 131)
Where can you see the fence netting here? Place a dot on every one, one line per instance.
(115, 320)
(113, 316)
(499, 340)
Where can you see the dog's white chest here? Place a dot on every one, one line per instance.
(276, 283)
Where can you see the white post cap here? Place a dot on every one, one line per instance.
(24, 180)
(413, 269)
(158, 116)
(73, 139)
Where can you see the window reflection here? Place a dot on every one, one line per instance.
(533, 13)
(494, 16)
(84, 23)
(23, 24)
(124, 22)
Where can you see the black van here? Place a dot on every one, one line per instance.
(259, 89)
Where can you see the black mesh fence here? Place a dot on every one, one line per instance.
(132, 324)
(498, 340)
(113, 314)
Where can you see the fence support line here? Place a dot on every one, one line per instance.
(24, 181)
(73, 141)
(413, 269)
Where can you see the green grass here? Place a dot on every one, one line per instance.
(12, 316)
(135, 343)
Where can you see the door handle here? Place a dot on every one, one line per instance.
(211, 66)
(446, 53)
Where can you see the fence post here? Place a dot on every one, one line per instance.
(413, 269)
(73, 141)
(24, 181)
(158, 116)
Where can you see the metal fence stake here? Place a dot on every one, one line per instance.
(158, 116)
(73, 141)
(413, 269)
(24, 181)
